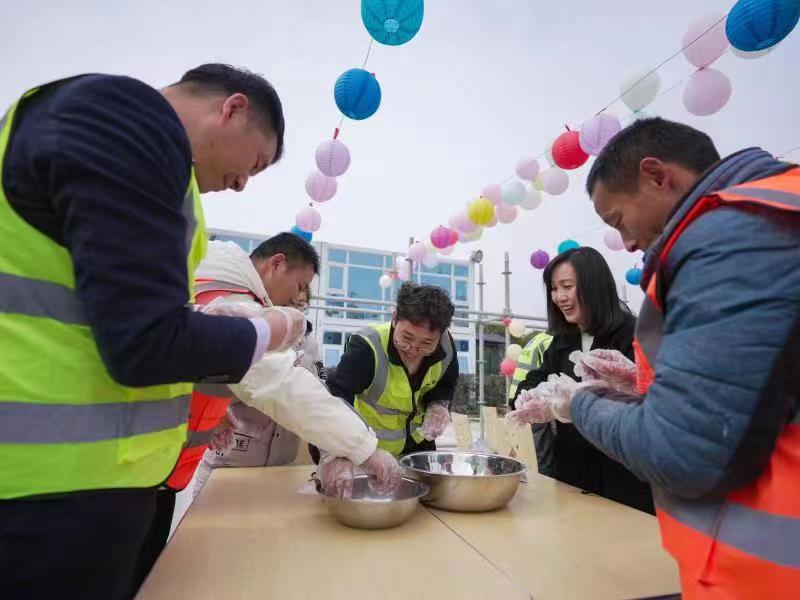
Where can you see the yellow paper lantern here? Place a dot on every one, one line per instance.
(537, 183)
(480, 211)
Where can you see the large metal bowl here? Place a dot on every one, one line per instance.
(366, 509)
(465, 481)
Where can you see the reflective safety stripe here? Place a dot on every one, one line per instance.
(37, 298)
(24, 423)
(381, 377)
(771, 537)
(220, 390)
(777, 196)
(199, 438)
(390, 435)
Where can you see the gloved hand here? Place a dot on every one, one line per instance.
(533, 408)
(551, 399)
(336, 476)
(287, 325)
(609, 366)
(222, 438)
(437, 418)
(384, 471)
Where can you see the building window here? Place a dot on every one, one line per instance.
(461, 291)
(330, 357)
(336, 277)
(462, 345)
(244, 243)
(333, 338)
(463, 364)
(461, 270)
(366, 259)
(438, 281)
(440, 269)
(335, 255)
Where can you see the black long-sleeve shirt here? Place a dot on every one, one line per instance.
(101, 164)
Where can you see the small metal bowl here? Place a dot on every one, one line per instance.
(366, 509)
(465, 481)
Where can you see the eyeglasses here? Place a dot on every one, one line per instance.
(423, 349)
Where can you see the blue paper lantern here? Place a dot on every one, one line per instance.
(392, 22)
(754, 25)
(634, 276)
(567, 245)
(306, 235)
(357, 94)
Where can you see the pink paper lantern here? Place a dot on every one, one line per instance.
(493, 192)
(320, 187)
(613, 240)
(567, 151)
(555, 181)
(705, 40)
(308, 219)
(597, 132)
(539, 259)
(453, 236)
(706, 92)
(527, 169)
(440, 237)
(417, 251)
(507, 367)
(506, 213)
(333, 158)
(506, 321)
(462, 223)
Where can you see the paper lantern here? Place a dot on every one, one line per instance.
(430, 261)
(758, 24)
(404, 272)
(461, 222)
(513, 192)
(532, 200)
(506, 213)
(333, 158)
(493, 222)
(640, 89)
(597, 132)
(516, 328)
(540, 259)
(447, 250)
(538, 185)
(357, 94)
(527, 169)
(480, 211)
(440, 237)
(416, 251)
(453, 237)
(384, 281)
(320, 187)
(493, 192)
(705, 40)
(507, 367)
(567, 245)
(567, 151)
(308, 219)
(506, 321)
(555, 181)
(634, 276)
(748, 55)
(513, 351)
(392, 23)
(306, 235)
(472, 236)
(400, 261)
(613, 240)
(706, 92)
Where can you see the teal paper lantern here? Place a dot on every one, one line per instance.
(754, 25)
(634, 276)
(392, 22)
(306, 235)
(567, 245)
(357, 94)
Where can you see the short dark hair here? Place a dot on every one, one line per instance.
(218, 78)
(617, 165)
(293, 247)
(596, 291)
(423, 304)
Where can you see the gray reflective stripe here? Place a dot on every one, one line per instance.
(649, 330)
(220, 390)
(37, 298)
(771, 537)
(381, 376)
(199, 438)
(188, 213)
(24, 423)
(447, 345)
(390, 435)
(526, 366)
(768, 195)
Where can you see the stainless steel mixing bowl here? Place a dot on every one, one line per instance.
(367, 510)
(465, 481)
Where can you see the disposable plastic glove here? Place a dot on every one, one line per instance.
(437, 418)
(336, 476)
(287, 325)
(533, 409)
(609, 366)
(222, 438)
(383, 470)
(550, 400)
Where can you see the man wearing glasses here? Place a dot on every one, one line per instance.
(400, 376)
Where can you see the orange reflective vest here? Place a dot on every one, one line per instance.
(746, 545)
(209, 401)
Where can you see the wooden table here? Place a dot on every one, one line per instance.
(250, 534)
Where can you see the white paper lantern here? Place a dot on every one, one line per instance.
(473, 236)
(320, 187)
(555, 181)
(705, 40)
(404, 272)
(400, 261)
(308, 219)
(748, 55)
(640, 89)
(516, 328)
(333, 158)
(506, 213)
(385, 281)
(597, 132)
(527, 169)
(513, 351)
(706, 92)
(430, 261)
(446, 251)
(532, 200)
(417, 252)
(464, 223)
(513, 192)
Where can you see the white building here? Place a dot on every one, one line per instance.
(352, 273)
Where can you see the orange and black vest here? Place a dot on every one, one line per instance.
(209, 401)
(746, 545)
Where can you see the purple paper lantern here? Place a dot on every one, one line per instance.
(308, 219)
(705, 40)
(555, 181)
(320, 187)
(493, 192)
(440, 237)
(706, 92)
(597, 132)
(539, 259)
(527, 169)
(333, 158)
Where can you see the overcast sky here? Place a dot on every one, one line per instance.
(482, 85)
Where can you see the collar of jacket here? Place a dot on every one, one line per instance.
(227, 262)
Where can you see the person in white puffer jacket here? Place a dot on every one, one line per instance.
(278, 401)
